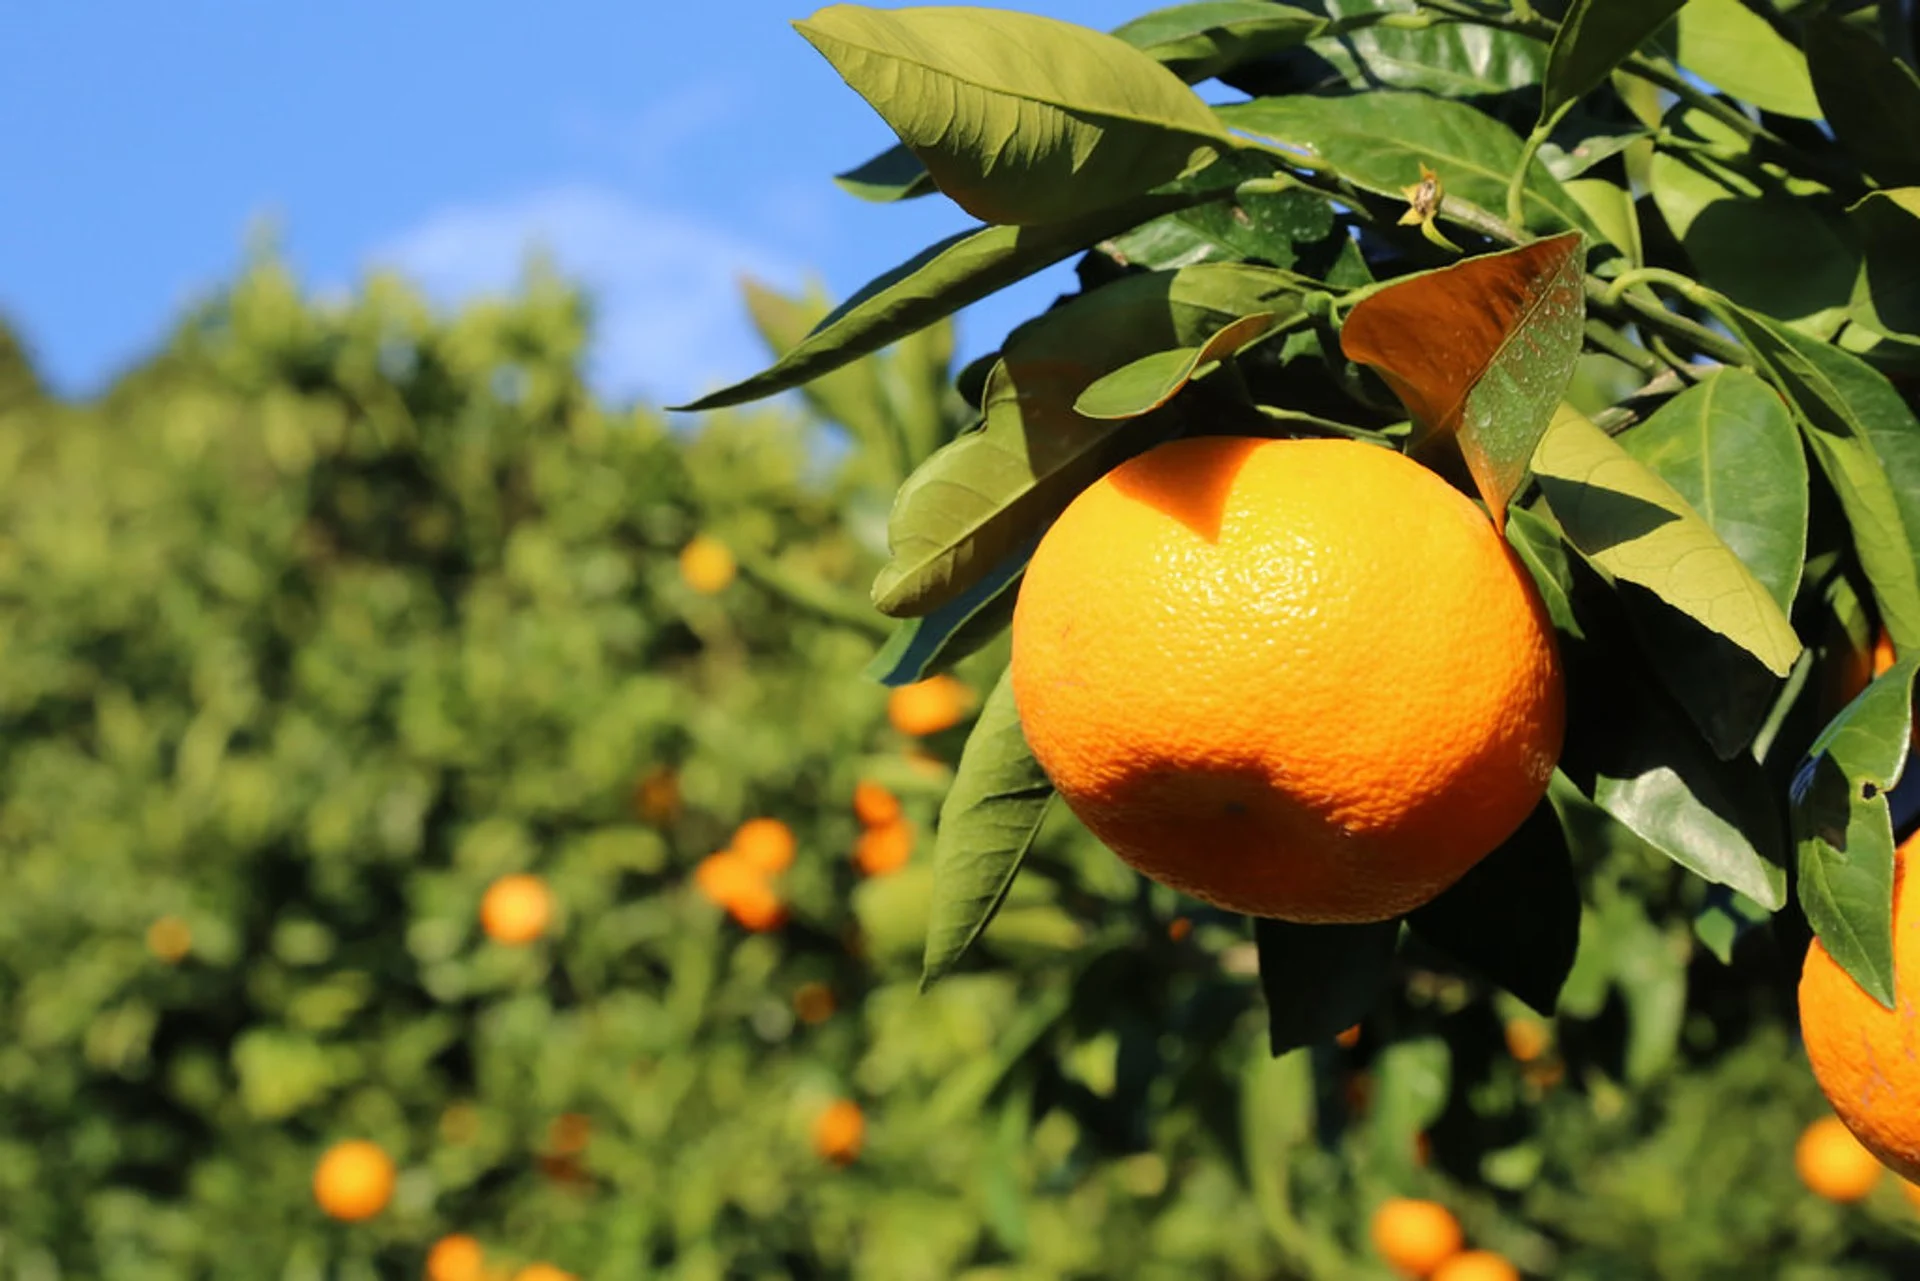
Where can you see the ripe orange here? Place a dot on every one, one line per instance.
(1301, 679)
(873, 804)
(1883, 655)
(1349, 1038)
(170, 939)
(516, 909)
(928, 706)
(1476, 1265)
(758, 907)
(766, 843)
(1415, 1237)
(1867, 1057)
(1527, 1039)
(457, 1257)
(882, 851)
(354, 1180)
(1833, 1164)
(723, 877)
(840, 1131)
(706, 565)
(543, 1272)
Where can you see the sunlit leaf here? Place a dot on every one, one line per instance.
(1144, 385)
(1199, 41)
(1596, 36)
(1733, 48)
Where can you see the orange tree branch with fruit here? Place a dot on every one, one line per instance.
(1454, 472)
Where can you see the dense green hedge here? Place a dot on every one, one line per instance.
(325, 617)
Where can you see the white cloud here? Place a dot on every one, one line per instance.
(669, 322)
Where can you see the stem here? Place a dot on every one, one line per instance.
(1617, 345)
(1650, 315)
(1617, 418)
(1517, 185)
(1326, 426)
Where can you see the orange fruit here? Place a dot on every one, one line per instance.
(1527, 1039)
(1834, 1164)
(516, 909)
(170, 939)
(840, 1131)
(873, 804)
(457, 1257)
(1415, 1237)
(706, 565)
(723, 877)
(1349, 1038)
(1476, 1265)
(1301, 679)
(884, 850)
(354, 1180)
(543, 1272)
(1180, 929)
(766, 843)
(1865, 1056)
(758, 907)
(813, 1003)
(1883, 655)
(928, 706)
(656, 795)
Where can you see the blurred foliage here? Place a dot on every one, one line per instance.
(328, 616)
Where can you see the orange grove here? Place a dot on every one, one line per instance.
(766, 843)
(706, 565)
(516, 909)
(1833, 1164)
(1865, 1056)
(1415, 1237)
(353, 1180)
(457, 1257)
(873, 804)
(1476, 1265)
(840, 1131)
(1302, 679)
(884, 850)
(929, 706)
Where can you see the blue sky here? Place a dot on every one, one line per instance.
(657, 148)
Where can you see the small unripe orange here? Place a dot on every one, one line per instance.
(884, 850)
(457, 1257)
(706, 565)
(1415, 1237)
(517, 909)
(928, 706)
(354, 1180)
(1834, 1164)
(1476, 1265)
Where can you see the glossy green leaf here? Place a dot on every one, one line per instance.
(1378, 140)
(932, 285)
(1596, 36)
(1479, 353)
(1546, 557)
(1199, 41)
(1020, 119)
(988, 821)
(1633, 526)
(1320, 980)
(1845, 835)
(1612, 209)
(1254, 226)
(1144, 385)
(1870, 98)
(1887, 298)
(1733, 48)
(893, 175)
(1570, 162)
(1515, 916)
(995, 488)
(1725, 919)
(1727, 445)
(1867, 442)
(1456, 60)
(933, 642)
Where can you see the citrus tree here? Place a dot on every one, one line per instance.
(1636, 276)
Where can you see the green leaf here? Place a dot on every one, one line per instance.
(1734, 49)
(1378, 140)
(1596, 36)
(1544, 553)
(1727, 445)
(1633, 526)
(1256, 225)
(932, 285)
(1479, 352)
(1867, 442)
(1887, 298)
(994, 488)
(1515, 916)
(1652, 977)
(1457, 60)
(1844, 831)
(1320, 980)
(935, 641)
(1020, 119)
(1870, 98)
(1412, 1080)
(893, 175)
(850, 395)
(1144, 385)
(1725, 919)
(987, 824)
(1613, 210)
(1199, 41)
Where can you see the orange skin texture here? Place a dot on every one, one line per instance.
(766, 843)
(1415, 1237)
(456, 1258)
(1476, 1265)
(840, 1131)
(517, 909)
(1834, 1164)
(1301, 679)
(1865, 1056)
(354, 1180)
(929, 706)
